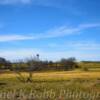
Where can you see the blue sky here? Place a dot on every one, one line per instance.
(53, 28)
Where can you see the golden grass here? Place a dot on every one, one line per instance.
(55, 75)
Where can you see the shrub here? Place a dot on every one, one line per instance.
(85, 68)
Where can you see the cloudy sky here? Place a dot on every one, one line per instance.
(53, 28)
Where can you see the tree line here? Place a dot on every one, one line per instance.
(35, 64)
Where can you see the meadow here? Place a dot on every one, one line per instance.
(51, 85)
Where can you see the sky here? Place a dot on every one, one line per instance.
(54, 29)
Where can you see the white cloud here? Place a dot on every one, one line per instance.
(53, 33)
(5, 38)
(58, 32)
(62, 31)
(89, 25)
(77, 45)
(81, 50)
(86, 46)
(65, 30)
(16, 54)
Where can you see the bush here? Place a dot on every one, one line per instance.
(85, 68)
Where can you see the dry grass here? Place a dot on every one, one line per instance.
(54, 75)
(74, 82)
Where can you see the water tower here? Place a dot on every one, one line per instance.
(37, 57)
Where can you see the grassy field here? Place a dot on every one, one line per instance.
(62, 85)
(92, 66)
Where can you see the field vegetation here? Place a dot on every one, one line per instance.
(36, 80)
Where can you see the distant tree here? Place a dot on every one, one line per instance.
(51, 63)
(69, 63)
(4, 64)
